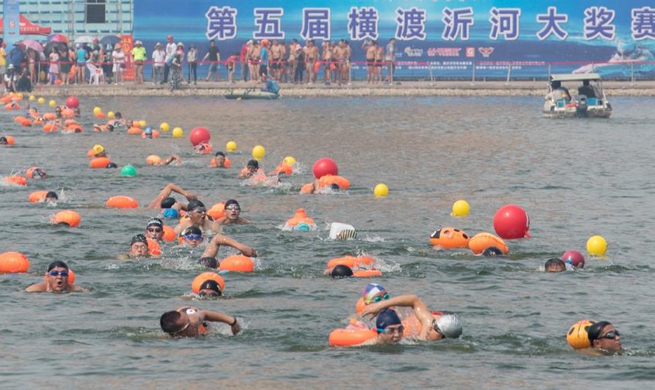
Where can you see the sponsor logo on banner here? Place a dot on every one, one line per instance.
(411, 52)
(486, 51)
(444, 51)
(470, 52)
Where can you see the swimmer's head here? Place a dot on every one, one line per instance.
(57, 264)
(167, 203)
(209, 262)
(302, 227)
(155, 222)
(219, 154)
(389, 327)
(335, 186)
(57, 276)
(192, 236)
(172, 323)
(4, 141)
(603, 335)
(341, 271)
(110, 127)
(118, 115)
(51, 196)
(253, 165)
(555, 265)
(210, 288)
(492, 251)
(196, 205)
(371, 291)
(98, 150)
(449, 326)
(170, 214)
(232, 204)
(139, 246)
(111, 165)
(155, 229)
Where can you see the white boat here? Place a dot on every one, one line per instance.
(590, 100)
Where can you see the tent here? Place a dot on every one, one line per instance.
(27, 27)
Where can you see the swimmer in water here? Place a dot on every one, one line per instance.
(191, 322)
(155, 230)
(390, 328)
(220, 160)
(434, 327)
(138, 248)
(191, 237)
(166, 192)
(102, 128)
(210, 289)
(555, 265)
(250, 170)
(232, 214)
(215, 244)
(340, 272)
(604, 337)
(56, 281)
(51, 196)
(197, 216)
(4, 141)
(170, 159)
(99, 151)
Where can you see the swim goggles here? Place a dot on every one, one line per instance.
(193, 237)
(388, 330)
(63, 274)
(612, 334)
(233, 207)
(381, 298)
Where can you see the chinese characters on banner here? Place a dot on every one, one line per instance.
(413, 23)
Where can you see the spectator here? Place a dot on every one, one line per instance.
(192, 61)
(214, 56)
(139, 55)
(158, 59)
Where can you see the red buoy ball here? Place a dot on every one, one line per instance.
(574, 258)
(72, 102)
(325, 166)
(199, 135)
(511, 222)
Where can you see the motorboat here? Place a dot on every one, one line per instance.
(590, 100)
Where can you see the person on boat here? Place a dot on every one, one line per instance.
(211, 250)
(191, 322)
(558, 92)
(56, 280)
(270, 85)
(590, 91)
(197, 216)
(604, 337)
(232, 214)
(433, 326)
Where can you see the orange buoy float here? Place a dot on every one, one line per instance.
(350, 337)
(226, 164)
(50, 127)
(153, 247)
(67, 217)
(37, 196)
(12, 106)
(153, 159)
(18, 180)
(237, 263)
(35, 173)
(19, 119)
(70, 122)
(13, 263)
(205, 276)
(122, 202)
(10, 140)
(300, 222)
(360, 305)
(5, 99)
(101, 115)
(155, 134)
(67, 113)
(578, 336)
(134, 130)
(49, 116)
(71, 277)
(99, 162)
(284, 168)
(449, 238)
(328, 180)
(217, 211)
(26, 123)
(169, 234)
(76, 128)
(366, 273)
(350, 261)
(483, 241)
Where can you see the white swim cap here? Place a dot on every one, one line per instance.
(449, 326)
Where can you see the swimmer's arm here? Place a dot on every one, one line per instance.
(181, 226)
(171, 158)
(220, 239)
(39, 287)
(242, 175)
(420, 309)
(214, 316)
(75, 288)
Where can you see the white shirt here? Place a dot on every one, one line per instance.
(159, 57)
(170, 50)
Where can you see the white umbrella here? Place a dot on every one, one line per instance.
(84, 39)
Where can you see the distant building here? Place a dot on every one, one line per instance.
(75, 18)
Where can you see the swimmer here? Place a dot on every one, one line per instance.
(4, 141)
(374, 293)
(170, 159)
(219, 157)
(390, 328)
(250, 170)
(56, 281)
(197, 216)
(215, 244)
(191, 322)
(433, 327)
(166, 192)
(138, 248)
(604, 337)
(232, 214)
(99, 151)
(155, 230)
(316, 187)
(191, 237)
(36, 173)
(51, 196)
(203, 148)
(210, 289)
(102, 128)
(118, 121)
(555, 265)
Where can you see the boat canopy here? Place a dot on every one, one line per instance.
(575, 77)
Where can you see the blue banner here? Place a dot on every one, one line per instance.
(11, 22)
(447, 37)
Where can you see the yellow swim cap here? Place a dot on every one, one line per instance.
(97, 149)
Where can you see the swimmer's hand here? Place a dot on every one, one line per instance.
(191, 196)
(250, 252)
(236, 328)
(371, 310)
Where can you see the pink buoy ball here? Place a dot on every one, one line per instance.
(511, 222)
(199, 135)
(325, 166)
(72, 102)
(574, 258)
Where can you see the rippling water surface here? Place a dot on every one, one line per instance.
(576, 178)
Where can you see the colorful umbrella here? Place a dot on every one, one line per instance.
(58, 38)
(110, 40)
(84, 39)
(32, 44)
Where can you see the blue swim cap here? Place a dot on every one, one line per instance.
(170, 214)
(302, 227)
(387, 317)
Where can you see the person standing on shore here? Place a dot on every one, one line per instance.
(158, 60)
(370, 48)
(244, 60)
(253, 57)
(170, 52)
(119, 63)
(311, 55)
(231, 64)
(293, 58)
(139, 55)
(192, 64)
(391, 58)
(214, 56)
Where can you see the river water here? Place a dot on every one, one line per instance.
(576, 178)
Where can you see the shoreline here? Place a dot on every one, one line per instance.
(357, 89)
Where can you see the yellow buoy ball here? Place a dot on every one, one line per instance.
(178, 133)
(97, 110)
(52, 103)
(461, 208)
(381, 190)
(111, 115)
(164, 127)
(143, 124)
(258, 152)
(289, 160)
(596, 246)
(32, 98)
(41, 100)
(231, 146)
